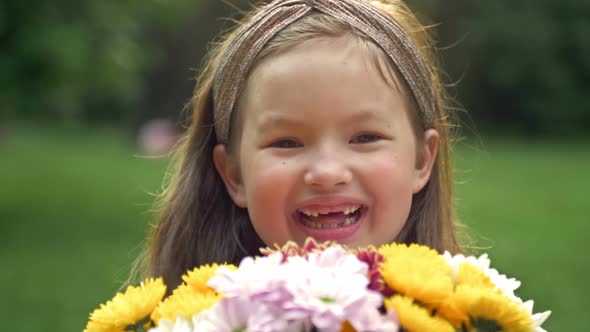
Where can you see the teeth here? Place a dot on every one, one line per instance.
(316, 225)
(310, 213)
(349, 221)
(314, 213)
(351, 210)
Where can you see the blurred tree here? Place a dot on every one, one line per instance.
(523, 66)
(78, 61)
(169, 84)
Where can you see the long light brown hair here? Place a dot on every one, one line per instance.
(198, 223)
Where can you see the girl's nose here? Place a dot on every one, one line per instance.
(326, 173)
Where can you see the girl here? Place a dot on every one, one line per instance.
(313, 118)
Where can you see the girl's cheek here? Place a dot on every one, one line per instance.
(273, 171)
(383, 163)
(387, 171)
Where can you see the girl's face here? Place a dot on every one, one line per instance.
(326, 148)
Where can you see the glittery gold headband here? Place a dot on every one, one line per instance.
(235, 64)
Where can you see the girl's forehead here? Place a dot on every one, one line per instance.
(325, 55)
(322, 75)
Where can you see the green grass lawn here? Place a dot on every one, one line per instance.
(526, 203)
(74, 212)
(73, 217)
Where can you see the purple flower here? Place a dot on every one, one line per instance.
(240, 313)
(253, 278)
(323, 289)
(330, 287)
(258, 288)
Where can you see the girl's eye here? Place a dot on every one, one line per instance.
(365, 138)
(285, 144)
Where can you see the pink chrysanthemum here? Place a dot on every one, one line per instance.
(330, 287)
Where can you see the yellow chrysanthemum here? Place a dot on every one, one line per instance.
(449, 310)
(414, 318)
(484, 304)
(468, 275)
(417, 272)
(472, 276)
(130, 308)
(198, 278)
(186, 302)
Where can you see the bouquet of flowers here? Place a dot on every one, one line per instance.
(327, 287)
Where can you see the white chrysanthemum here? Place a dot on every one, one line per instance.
(180, 325)
(504, 284)
(538, 318)
(227, 315)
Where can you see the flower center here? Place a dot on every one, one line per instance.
(327, 299)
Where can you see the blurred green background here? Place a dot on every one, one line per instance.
(80, 81)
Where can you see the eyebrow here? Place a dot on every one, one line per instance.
(275, 120)
(278, 120)
(363, 116)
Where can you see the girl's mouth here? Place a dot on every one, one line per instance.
(330, 223)
(330, 219)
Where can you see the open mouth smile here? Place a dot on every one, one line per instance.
(330, 222)
(330, 218)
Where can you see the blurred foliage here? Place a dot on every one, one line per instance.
(521, 67)
(79, 61)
